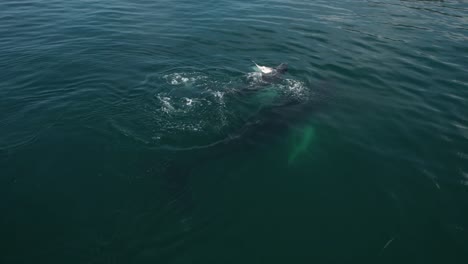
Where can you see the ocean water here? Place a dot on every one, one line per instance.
(141, 132)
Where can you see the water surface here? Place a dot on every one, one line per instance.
(140, 132)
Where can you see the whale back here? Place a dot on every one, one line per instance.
(282, 68)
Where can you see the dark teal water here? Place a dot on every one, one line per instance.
(139, 132)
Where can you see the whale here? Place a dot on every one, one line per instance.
(283, 118)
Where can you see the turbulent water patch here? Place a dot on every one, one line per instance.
(184, 78)
(197, 105)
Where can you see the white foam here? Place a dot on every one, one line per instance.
(166, 104)
(295, 85)
(188, 101)
(295, 88)
(255, 76)
(218, 94)
(183, 78)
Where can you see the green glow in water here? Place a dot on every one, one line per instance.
(302, 143)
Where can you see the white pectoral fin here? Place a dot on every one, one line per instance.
(263, 69)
